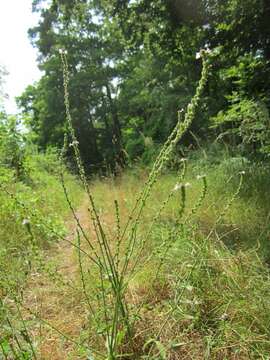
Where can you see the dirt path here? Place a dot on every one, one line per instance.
(57, 298)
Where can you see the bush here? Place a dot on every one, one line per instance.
(245, 123)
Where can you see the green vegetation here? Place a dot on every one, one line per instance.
(210, 298)
(133, 65)
(134, 187)
(33, 210)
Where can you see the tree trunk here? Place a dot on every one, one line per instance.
(116, 133)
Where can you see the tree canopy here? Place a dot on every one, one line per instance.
(133, 65)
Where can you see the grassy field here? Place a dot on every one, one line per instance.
(196, 285)
(204, 292)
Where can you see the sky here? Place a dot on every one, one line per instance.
(17, 54)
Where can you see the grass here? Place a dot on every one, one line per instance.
(210, 298)
(176, 271)
(36, 204)
(215, 291)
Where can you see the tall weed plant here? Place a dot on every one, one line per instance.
(115, 259)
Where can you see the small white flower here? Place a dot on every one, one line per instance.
(75, 142)
(207, 49)
(62, 51)
(180, 186)
(204, 51)
(206, 26)
(224, 316)
(177, 187)
(242, 172)
(26, 221)
(183, 160)
(198, 177)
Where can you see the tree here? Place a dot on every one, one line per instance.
(133, 66)
(92, 61)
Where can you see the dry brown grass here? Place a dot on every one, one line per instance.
(57, 301)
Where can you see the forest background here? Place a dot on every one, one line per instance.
(133, 65)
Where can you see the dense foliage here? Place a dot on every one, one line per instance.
(133, 65)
